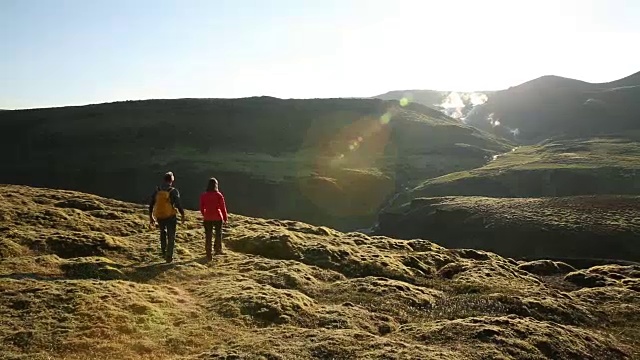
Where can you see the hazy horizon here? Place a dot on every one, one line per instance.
(76, 53)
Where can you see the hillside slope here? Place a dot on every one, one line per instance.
(554, 106)
(604, 165)
(457, 104)
(80, 278)
(582, 228)
(330, 162)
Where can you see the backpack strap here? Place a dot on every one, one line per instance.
(169, 190)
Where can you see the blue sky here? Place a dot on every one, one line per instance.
(74, 52)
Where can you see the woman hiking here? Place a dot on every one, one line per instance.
(214, 214)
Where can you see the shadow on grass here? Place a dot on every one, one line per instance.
(151, 271)
(134, 273)
(32, 276)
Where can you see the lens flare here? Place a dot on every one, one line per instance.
(346, 178)
(384, 119)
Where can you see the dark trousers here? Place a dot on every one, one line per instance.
(209, 226)
(168, 232)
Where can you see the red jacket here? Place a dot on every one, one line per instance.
(212, 206)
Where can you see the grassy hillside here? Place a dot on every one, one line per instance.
(552, 106)
(332, 162)
(564, 198)
(605, 165)
(81, 278)
(579, 227)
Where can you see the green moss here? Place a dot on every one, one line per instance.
(288, 289)
(563, 167)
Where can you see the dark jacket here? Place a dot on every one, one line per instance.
(174, 195)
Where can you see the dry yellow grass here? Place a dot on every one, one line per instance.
(81, 278)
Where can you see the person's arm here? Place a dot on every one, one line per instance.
(175, 197)
(152, 202)
(223, 208)
(202, 205)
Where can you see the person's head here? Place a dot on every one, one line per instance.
(169, 178)
(212, 185)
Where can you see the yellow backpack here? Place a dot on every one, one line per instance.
(163, 208)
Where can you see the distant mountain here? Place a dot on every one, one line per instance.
(452, 103)
(552, 106)
(431, 98)
(577, 139)
(631, 80)
(548, 106)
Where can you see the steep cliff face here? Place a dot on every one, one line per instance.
(581, 227)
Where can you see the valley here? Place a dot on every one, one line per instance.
(356, 180)
(329, 162)
(360, 228)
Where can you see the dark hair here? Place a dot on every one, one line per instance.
(168, 177)
(212, 185)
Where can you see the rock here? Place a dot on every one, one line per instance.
(280, 244)
(582, 279)
(92, 268)
(472, 254)
(80, 204)
(606, 275)
(519, 338)
(9, 249)
(259, 304)
(546, 267)
(393, 291)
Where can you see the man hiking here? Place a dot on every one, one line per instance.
(162, 208)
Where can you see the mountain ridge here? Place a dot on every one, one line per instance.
(533, 96)
(554, 106)
(291, 158)
(629, 80)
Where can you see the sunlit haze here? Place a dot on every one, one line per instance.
(56, 53)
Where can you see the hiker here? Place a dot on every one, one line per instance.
(214, 214)
(162, 208)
